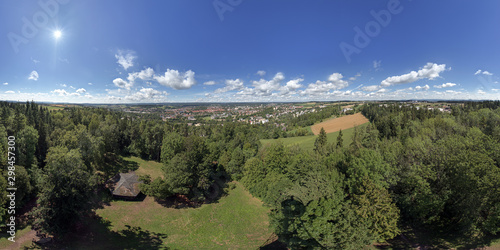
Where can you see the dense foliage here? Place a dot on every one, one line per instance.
(409, 168)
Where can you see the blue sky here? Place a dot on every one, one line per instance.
(242, 50)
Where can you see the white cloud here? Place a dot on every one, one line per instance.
(81, 90)
(72, 87)
(481, 92)
(176, 80)
(63, 85)
(445, 85)
(33, 76)
(418, 88)
(10, 92)
(60, 92)
(90, 83)
(209, 83)
(145, 74)
(334, 82)
(261, 72)
(370, 88)
(120, 83)
(126, 58)
(265, 88)
(294, 84)
(5, 83)
(147, 94)
(377, 65)
(429, 71)
(483, 72)
(236, 84)
(355, 77)
(291, 86)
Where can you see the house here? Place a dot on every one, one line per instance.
(125, 185)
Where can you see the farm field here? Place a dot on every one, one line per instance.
(307, 142)
(336, 124)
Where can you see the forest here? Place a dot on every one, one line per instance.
(410, 170)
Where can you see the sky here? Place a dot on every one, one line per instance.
(248, 50)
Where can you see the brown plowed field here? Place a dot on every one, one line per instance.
(344, 122)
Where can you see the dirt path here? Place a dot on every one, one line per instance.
(28, 237)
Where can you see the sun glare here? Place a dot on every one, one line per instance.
(57, 34)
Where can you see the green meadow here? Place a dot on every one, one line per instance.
(307, 142)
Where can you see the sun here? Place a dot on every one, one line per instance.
(57, 34)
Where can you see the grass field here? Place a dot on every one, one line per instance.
(153, 168)
(236, 221)
(307, 142)
(336, 124)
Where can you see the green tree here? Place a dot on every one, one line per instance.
(340, 140)
(374, 204)
(321, 141)
(27, 141)
(173, 143)
(66, 194)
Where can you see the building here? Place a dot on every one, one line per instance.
(125, 185)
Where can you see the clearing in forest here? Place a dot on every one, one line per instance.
(336, 124)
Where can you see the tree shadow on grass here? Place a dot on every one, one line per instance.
(212, 195)
(97, 234)
(114, 164)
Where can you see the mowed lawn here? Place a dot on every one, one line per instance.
(236, 221)
(307, 142)
(152, 168)
(336, 124)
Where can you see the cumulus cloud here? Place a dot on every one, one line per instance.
(145, 74)
(370, 88)
(33, 76)
(176, 80)
(146, 94)
(481, 92)
(294, 84)
(265, 88)
(81, 90)
(60, 92)
(335, 82)
(429, 71)
(483, 72)
(10, 92)
(209, 83)
(261, 73)
(5, 83)
(231, 85)
(125, 58)
(120, 83)
(90, 84)
(445, 85)
(418, 88)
